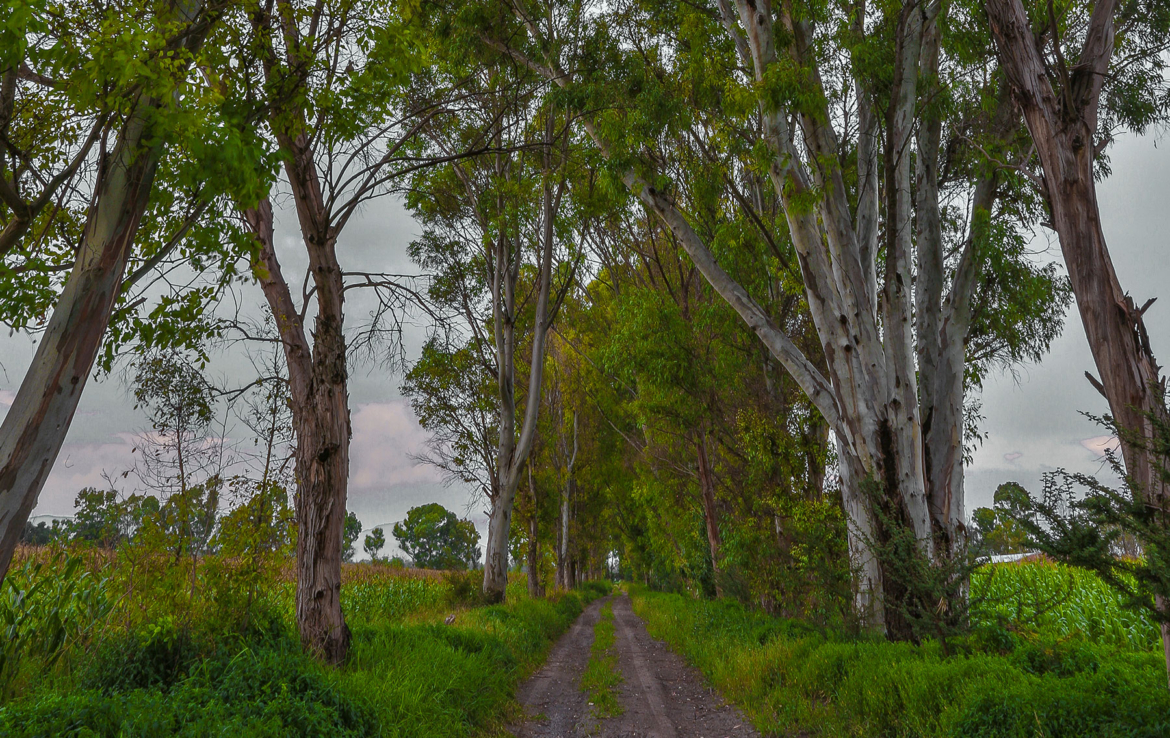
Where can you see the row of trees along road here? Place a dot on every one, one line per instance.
(768, 251)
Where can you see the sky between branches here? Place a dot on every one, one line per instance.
(1032, 420)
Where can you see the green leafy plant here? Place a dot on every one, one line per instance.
(46, 606)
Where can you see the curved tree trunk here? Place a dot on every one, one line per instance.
(1064, 128)
(38, 420)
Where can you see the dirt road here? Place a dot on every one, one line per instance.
(662, 697)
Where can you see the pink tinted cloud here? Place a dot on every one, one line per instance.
(385, 435)
(80, 465)
(1012, 456)
(1100, 444)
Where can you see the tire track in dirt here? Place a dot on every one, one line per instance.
(661, 695)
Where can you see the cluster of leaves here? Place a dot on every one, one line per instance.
(435, 538)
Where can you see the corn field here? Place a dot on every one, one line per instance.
(1060, 600)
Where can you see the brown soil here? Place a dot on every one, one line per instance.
(662, 697)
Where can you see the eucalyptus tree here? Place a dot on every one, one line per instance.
(333, 78)
(90, 118)
(824, 100)
(495, 227)
(1080, 74)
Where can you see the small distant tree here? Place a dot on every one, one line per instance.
(436, 539)
(42, 534)
(353, 529)
(374, 543)
(181, 459)
(97, 519)
(998, 531)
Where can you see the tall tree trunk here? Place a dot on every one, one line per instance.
(565, 578)
(1063, 125)
(38, 420)
(533, 546)
(514, 450)
(320, 407)
(710, 515)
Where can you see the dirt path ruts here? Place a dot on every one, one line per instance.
(662, 697)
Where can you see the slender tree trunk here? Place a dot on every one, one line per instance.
(38, 420)
(533, 546)
(1063, 126)
(565, 578)
(710, 515)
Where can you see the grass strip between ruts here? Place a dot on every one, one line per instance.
(602, 676)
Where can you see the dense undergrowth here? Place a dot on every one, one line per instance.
(82, 659)
(1027, 669)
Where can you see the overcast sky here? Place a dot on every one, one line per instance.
(1032, 418)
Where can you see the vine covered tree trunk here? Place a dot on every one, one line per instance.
(38, 420)
(1063, 126)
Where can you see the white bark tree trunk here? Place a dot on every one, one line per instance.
(38, 420)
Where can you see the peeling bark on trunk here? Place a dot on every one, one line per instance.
(710, 514)
(320, 406)
(42, 411)
(1063, 126)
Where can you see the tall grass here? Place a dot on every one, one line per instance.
(791, 679)
(1060, 600)
(138, 668)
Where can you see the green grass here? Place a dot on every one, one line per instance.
(408, 673)
(602, 676)
(1062, 601)
(791, 679)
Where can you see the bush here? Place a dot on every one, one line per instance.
(253, 694)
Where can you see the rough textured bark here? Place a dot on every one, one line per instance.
(42, 411)
(320, 408)
(1063, 126)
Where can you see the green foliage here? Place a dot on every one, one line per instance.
(998, 531)
(374, 543)
(47, 606)
(602, 677)
(378, 599)
(790, 679)
(1081, 521)
(1060, 600)
(349, 535)
(267, 692)
(435, 539)
(44, 533)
